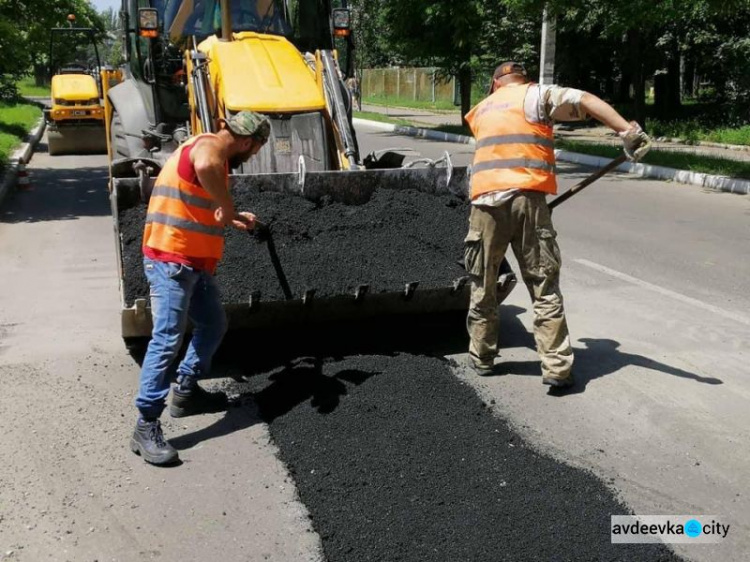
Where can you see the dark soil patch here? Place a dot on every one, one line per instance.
(397, 459)
(398, 237)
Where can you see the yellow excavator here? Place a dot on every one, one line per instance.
(190, 63)
(75, 119)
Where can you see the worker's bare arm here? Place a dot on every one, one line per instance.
(604, 113)
(636, 142)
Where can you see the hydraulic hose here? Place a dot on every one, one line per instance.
(339, 110)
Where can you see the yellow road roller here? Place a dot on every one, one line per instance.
(75, 119)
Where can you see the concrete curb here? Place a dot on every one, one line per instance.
(21, 154)
(719, 183)
(415, 131)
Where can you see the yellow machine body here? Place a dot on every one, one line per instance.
(263, 73)
(312, 151)
(76, 118)
(75, 96)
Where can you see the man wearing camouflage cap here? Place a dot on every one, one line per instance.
(182, 244)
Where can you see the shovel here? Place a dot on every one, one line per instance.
(505, 266)
(587, 181)
(262, 233)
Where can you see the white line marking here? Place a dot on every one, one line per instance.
(666, 292)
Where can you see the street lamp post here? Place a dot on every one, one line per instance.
(549, 37)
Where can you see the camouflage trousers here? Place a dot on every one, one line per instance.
(525, 223)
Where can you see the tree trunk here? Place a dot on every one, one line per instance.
(674, 101)
(40, 75)
(667, 86)
(688, 81)
(609, 88)
(623, 88)
(464, 87)
(639, 78)
(661, 96)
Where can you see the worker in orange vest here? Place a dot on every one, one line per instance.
(512, 173)
(182, 244)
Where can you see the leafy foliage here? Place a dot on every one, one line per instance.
(25, 35)
(684, 49)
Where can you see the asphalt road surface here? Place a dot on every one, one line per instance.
(656, 285)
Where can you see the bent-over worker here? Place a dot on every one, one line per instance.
(512, 173)
(182, 245)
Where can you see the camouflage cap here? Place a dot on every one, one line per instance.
(250, 124)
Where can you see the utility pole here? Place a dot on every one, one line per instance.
(549, 38)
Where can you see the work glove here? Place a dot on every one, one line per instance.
(635, 141)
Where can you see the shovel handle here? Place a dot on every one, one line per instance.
(587, 181)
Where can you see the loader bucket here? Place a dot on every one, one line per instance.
(351, 245)
(78, 138)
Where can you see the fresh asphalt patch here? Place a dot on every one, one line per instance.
(396, 459)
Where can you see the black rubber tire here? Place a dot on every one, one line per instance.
(117, 138)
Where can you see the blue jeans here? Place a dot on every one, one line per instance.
(178, 293)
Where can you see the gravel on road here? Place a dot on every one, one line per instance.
(398, 237)
(397, 459)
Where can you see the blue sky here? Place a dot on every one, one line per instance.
(104, 4)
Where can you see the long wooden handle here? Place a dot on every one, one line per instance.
(587, 181)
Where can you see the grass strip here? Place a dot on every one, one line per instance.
(678, 160)
(16, 119)
(392, 101)
(27, 87)
(693, 131)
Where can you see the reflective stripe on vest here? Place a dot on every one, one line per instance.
(180, 217)
(180, 195)
(511, 153)
(168, 220)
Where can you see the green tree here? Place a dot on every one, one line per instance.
(442, 33)
(643, 39)
(112, 39)
(15, 60)
(38, 17)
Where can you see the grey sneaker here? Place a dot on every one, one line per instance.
(148, 441)
(196, 400)
(567, 382)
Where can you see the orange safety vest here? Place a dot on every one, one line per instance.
(510, 151)
(180, 217)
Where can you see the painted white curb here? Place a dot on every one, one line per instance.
(414, 131)
(720, 183)
(21, 154)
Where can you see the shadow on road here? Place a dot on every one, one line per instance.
(245, 353)
(600, 357)
(19, 131)
(271, 372)
(274, 395)
(60, 194)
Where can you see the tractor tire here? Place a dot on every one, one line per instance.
(117, 138)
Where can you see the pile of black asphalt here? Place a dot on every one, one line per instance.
(396, 458)
(400, 236)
